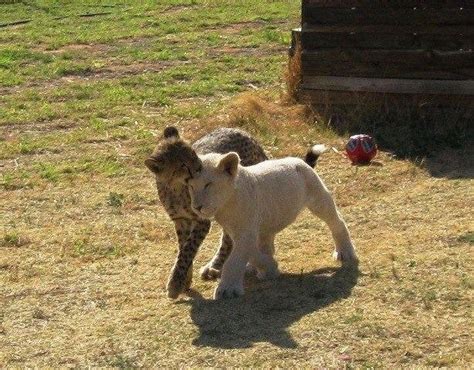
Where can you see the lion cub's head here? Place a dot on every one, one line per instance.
(212, 187)
(173, 159)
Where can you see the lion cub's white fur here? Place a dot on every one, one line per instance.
(254, 203)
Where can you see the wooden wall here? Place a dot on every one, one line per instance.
(387, 47)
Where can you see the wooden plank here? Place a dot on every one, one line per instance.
(388, 3)
(330, 99)
(393, 29)
(425, 58)
(387, 70)
(379, 40)
(295, 40)
(387, 16)
(388, 85)
(388, 63)
(460, 75)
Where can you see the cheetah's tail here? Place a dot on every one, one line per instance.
(313, 154)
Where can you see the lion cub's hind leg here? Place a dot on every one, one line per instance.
(262, 259)
(267, 267)
(323, 206)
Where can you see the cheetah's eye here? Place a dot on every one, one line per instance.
(187, 169)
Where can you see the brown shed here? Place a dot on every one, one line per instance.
(380, 48)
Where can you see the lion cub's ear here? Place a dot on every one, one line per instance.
(229, 163)
(153, 165)
(170, 132)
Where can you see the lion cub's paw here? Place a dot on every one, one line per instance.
(225, 291)
(210, 273)
(250, 269)
(268, 274)
(348, 255)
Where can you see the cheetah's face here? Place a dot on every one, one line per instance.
(173, 160)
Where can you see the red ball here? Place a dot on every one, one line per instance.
(361, 149)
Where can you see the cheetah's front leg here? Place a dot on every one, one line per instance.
(212, 270)
(181, 274)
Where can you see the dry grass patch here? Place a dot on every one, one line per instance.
(89, 286)
(85, 248)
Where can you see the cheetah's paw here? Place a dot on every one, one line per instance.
(178, 284)
(210, 273)
(174, 289)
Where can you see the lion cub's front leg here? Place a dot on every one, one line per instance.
(232, 279)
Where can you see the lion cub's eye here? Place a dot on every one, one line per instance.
(207, 185)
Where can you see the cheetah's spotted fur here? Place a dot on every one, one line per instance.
(173, 162)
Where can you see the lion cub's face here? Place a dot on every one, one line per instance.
(212, 187)
(173, 159)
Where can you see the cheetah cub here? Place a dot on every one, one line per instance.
(252, 204)
(173, 162)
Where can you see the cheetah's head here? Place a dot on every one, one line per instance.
(173, 158)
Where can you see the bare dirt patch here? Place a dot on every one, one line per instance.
(235, 28)
(95, 49)
(118, 70)
(15, 24)
(110, 72)
(13, 130)
(177, 9)
(245, 51)
(80, 48)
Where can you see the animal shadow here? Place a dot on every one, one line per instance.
(268, 308)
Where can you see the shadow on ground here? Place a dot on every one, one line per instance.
(452, 163)
(439, 140)
(269, 308)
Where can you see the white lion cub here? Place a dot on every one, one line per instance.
(252, 204)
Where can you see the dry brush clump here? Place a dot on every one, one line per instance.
(284, 128)
(257, 112)
(292, 74)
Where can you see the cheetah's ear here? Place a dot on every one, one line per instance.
(229, 163)
(153, 165)
(170, 132)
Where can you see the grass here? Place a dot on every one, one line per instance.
(86, 248)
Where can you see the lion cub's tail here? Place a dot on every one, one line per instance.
(313, 154)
